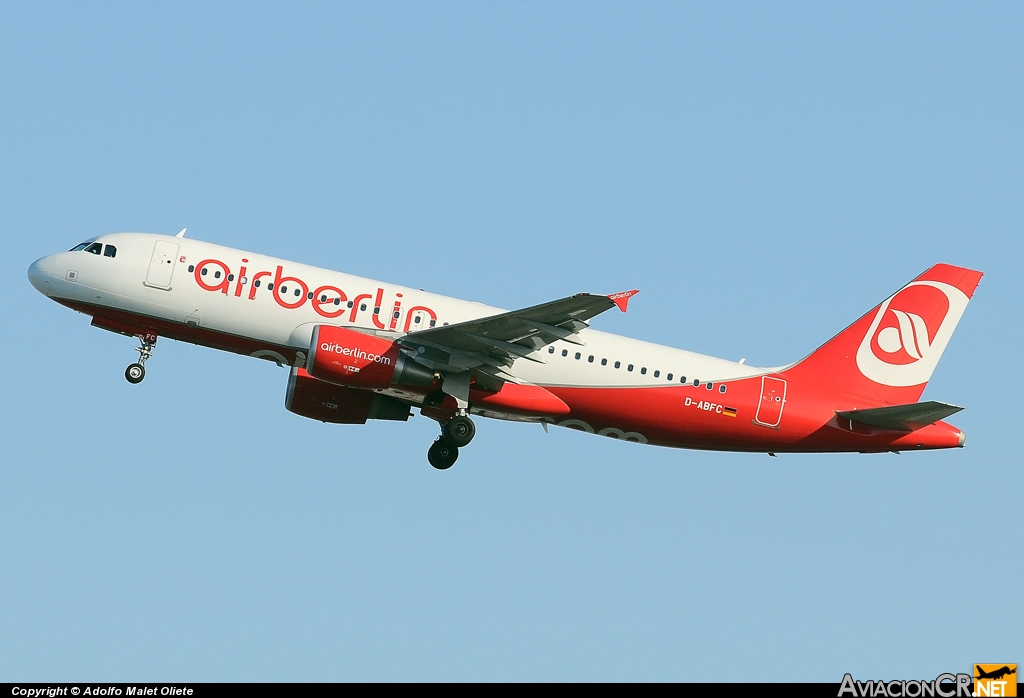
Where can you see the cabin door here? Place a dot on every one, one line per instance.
(161, 264)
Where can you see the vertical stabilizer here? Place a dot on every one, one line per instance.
(889, 354)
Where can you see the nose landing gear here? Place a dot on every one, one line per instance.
(456, 433)
(137, 371)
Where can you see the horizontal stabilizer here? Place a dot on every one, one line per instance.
(902, 417)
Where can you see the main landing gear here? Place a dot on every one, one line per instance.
(441, 454)
(456, 433)
(137, 371)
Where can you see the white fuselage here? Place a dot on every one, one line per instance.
(150, 277)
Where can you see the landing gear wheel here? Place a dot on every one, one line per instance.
(441, 454)
(135, 373)
(459, 431)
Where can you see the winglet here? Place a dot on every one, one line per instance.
(181, 234)
(622, 299)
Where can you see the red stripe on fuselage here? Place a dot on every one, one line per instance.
(679, 416)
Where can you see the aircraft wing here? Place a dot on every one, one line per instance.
(902, 417)
(495, 342)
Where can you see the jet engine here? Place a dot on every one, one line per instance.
(345, 357)
(325, 402)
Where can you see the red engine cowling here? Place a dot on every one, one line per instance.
(358, 360)
(309, 397)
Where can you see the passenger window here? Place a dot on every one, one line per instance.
(323, 299)
(629, 368)
(590, 358)
(191, 268)
(231, 277)
(721, 389)
(551, 350)
(362, 306)
(270, 287)
(578, 355)
(110, 251)
(657, 374)
(668, 377)
(565, 352)
(284, 289)
(416, 319)
(709, 386)
(202, 272)
(298, 292)
(337, 301)
(604, 362)
(682, 379)
(617, 364)
(396, 314)
(95, 248)
(643, 371)
(696, 382)
(376, 311)
(433, 322)
(350, 303)
(256, 283)
(216, 274)
(309, 296)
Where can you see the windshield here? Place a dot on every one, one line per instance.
(95, 248)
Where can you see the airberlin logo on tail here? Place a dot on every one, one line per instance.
(911, 336)
(910, 332)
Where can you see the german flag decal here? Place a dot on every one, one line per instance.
(729, 411)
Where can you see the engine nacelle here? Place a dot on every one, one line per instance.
(325, 402)
(358, 360)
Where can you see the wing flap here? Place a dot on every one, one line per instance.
(902, 417)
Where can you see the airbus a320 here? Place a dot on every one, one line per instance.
(359, 349)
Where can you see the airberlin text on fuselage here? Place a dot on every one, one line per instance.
(328, 301)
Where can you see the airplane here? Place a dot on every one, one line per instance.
(996, 674)
(360, 349)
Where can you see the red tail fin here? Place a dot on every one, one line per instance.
(889, 354)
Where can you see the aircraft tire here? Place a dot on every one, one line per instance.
(441, 454)
(135, 373)
(459, 431)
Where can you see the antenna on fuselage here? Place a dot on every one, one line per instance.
(181, 234)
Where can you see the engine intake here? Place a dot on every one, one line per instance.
(345, 357)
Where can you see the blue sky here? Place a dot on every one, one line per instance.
(764, 173)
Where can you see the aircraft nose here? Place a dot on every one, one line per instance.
(39, 274)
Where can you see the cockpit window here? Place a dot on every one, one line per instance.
(95, 248)
(79, 248)
(109, 251)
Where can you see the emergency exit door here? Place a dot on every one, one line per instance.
(161, 264)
